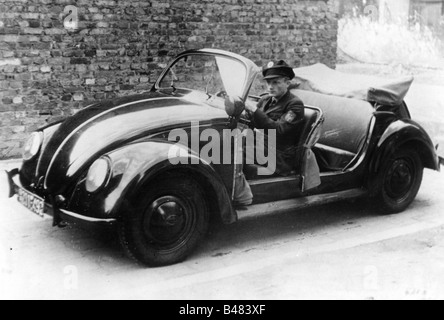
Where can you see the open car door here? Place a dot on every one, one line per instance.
(310, 172)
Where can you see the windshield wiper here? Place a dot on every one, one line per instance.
(208, 83)
(173, 78)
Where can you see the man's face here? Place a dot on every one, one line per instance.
(278, 87)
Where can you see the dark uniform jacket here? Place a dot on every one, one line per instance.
(286, 116)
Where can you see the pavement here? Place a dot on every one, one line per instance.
(340, 251)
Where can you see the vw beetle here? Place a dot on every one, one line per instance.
(117, 162)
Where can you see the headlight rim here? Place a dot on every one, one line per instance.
(105, 180)
(29, 154)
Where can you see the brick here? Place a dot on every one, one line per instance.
(78, 97)
(34, 24)
(102, 24)
(45, 69)
(23, 76)
(101, 53)
(7, 101)
(66, 97)
(81, 68)
(45, 54)
(30, 16)
(144, 79)
(73, 89)
(18, 129)
(99, 96)
(8, 54)
(4, 85)
(80, 61)
(17, 100)
(55, 31)
(90, 53)
(9, 38)
(32, 30)
(16, 85)
(126, 87)
(30, 99)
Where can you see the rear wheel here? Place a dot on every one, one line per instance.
(167, 223)
(399, 181)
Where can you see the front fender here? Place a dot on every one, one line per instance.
(405, 133)
(135, 165)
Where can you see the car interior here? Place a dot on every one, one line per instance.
(342, 136)
(344, 130)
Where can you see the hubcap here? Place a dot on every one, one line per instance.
(167, 221)
(400, 179)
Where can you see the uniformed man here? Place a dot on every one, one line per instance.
(282, 111)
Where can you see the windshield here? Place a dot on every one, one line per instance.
(212, 74)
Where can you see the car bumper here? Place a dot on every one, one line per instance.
(59, 215)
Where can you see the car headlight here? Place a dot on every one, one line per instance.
(32, 146)
(98, 175)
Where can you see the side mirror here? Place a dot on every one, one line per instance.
(234, 106)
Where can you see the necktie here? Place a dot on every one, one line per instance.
(271, 104)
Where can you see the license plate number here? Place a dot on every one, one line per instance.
(31, 201)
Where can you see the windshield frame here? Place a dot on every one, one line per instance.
(248, 65)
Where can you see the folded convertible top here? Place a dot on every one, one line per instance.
(322, 79)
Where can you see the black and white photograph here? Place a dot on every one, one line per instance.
(232, 152)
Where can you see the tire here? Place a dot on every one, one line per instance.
(168, 221)
(398, 181)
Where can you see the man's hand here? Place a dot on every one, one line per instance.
(250, 106)
(234, 106)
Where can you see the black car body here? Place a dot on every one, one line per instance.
(111, 163)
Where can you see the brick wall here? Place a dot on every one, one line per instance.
(48, 71)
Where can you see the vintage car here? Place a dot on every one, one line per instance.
(143, 163)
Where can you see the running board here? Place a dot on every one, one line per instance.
(270, 208)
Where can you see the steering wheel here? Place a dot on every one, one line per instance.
(222, 94)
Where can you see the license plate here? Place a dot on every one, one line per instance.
(31, 201)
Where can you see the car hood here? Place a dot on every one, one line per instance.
(105, 126)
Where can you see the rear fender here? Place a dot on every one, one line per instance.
(136, 165)
(405, 133)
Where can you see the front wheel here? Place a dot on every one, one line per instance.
(168, 221)
(398, 181)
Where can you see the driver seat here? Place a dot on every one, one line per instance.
(311, 118)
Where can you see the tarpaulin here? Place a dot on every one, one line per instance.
(322, 79)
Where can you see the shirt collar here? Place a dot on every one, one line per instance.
(281, 98)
